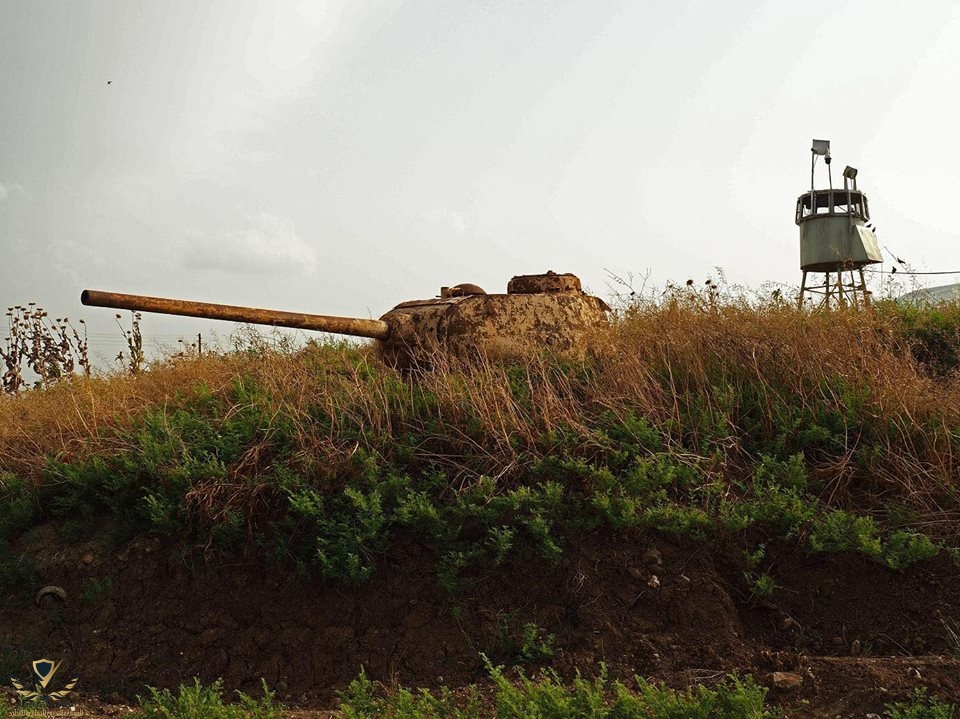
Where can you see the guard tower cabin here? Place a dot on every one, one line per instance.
(835, 241)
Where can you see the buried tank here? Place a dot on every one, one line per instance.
(548, 312)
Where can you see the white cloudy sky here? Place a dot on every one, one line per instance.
(339, 157)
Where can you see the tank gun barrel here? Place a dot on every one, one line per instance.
(375, 329)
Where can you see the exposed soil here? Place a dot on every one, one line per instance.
(857, 634)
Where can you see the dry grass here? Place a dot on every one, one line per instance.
(719, 382)
(77, 419)
(858, 364)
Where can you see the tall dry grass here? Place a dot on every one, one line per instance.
(720, 382)
(756, 368)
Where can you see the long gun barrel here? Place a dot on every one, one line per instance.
(375, 329)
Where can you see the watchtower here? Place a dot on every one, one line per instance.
(835, 240)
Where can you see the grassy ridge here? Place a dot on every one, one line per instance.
(696, 415)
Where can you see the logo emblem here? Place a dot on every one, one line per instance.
(44, 669)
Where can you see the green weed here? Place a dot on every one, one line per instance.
(550, 698)
(19, 505)
(903, 548)
(206, 702)
(365, 699)
(932, 333)
(691, 416)
(17, 571)
(762, 585)
(526, 642)
(839, 531)
(921, 706)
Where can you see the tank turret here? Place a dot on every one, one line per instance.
(548, 311)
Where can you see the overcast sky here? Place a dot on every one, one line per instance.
(339, 157)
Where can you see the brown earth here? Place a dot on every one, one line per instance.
(858, 635)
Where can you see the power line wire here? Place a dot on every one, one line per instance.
(907, 272)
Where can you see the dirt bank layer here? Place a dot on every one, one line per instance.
(856, 634)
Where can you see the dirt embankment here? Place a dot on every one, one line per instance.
(852, 633)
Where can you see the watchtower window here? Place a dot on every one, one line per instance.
(832, 202)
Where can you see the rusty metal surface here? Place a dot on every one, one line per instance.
(493, 325)
(461, 290)
(376, 329)
(546, 312)
(432, 302)
(547, 282)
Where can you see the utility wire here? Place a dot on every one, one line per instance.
(906, 272)
(900, 262)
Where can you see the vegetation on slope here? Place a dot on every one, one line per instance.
(696, 415)
(546, 696)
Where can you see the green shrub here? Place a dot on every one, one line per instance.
(17, 571)
(762, 585)
(840, 531)
(734, 698)
(693, 416)
(677, 519)
(365, 699)
(500, 541)
(524, 643)
(921, 706)
(775, 497)
(547, 697)
(345, 530)
(903, 548)
(932, 333)
(206, 702)
(598, 698)
(19, 505)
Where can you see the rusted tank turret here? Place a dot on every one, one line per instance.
(548, 311)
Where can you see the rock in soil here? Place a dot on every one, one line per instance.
(785, 681)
